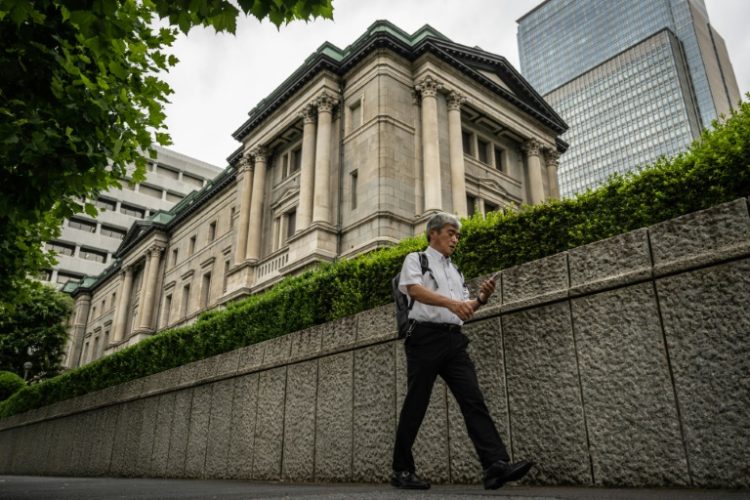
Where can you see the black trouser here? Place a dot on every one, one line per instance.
(437, 349)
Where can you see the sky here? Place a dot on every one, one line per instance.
(221, 77)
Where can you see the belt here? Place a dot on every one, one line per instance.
(443, 327)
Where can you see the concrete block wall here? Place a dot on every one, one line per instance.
(624, 362)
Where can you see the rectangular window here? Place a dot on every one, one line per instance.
(296, 163)
(85, 354)
(185, 300)
(482, 150)
(291, 223)
(114, 296)
(467, 142)
(205, 290)
(95, 255)
(276, 240)
(93, 312)
(356, 113)
(212, 231)
(150, 191)
(231, 217)
(192, 180)
(174, 256)
(61, 248)
(167, 308)
(104, 304)
(284, 165)
(167, 172)
(174, 197)
(132, 211)
(490, 207)
(499, 159)
(227, 264)
(113, 232)
(63, 278)
(192, 245)
(95, 349)
(471, 203)
(83, 225)
(105, 204)
(355, 175)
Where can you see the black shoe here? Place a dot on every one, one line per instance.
(408, 481)
(502, 472)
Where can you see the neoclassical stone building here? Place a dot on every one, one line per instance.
(354, 151)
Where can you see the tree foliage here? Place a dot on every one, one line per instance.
(81, 103)
(35, 331)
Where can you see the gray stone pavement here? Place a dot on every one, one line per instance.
(69, 488)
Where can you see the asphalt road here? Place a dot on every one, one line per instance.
(69, 488)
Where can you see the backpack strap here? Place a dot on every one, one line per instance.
(425, 265)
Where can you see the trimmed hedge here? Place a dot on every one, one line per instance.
(715, 170)
(9, 384)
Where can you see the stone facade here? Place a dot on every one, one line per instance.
(628, 369)
(353, 152)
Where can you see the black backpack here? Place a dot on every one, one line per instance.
(403, 304)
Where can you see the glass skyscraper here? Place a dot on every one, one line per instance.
(634, 80)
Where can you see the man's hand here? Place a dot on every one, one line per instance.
(486, 289)
(464, 310)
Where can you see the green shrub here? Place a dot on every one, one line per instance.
(9, 384)
(715, 170)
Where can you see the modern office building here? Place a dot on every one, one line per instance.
(634, 80)
(86, 245)
(354, 151)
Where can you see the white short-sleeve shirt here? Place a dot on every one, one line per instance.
(447, 282)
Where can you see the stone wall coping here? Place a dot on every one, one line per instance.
(696, 240)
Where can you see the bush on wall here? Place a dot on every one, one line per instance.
(716, 169)
(9, 384)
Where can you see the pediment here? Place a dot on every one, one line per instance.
(496, 78)
(135, 231)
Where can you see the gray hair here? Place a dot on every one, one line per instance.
(440, 220)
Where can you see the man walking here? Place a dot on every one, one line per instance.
(435, 346)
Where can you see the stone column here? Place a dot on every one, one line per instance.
(428, 88)
(552, 157)
(244, 187)
(307, 170)
(150, 292)
(458, 172)
(121, 314)
(77, 330)
(256, 204)
(532, 148)
(322, 203)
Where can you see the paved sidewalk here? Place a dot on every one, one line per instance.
(68, 488)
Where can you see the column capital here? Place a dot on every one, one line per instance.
(260, 153)
(245, 164)
(455, 100)
(551, 156)
(156, 249)
(325, 102)
(532, 147)
(126, 269)
(308, 113)
(428, 87)
(83, 298)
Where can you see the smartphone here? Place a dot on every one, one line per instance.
(494, 278)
